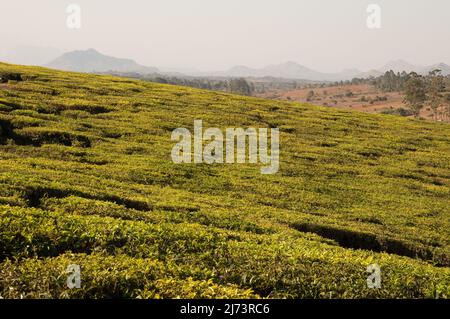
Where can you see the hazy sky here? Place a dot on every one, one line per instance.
(327, 35)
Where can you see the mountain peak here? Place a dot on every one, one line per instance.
(445, 68)
(91, 60)
(90, 51)
(291, 63)
(442, 65)
(399, 66)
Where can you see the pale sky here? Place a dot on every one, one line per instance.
(207, 35)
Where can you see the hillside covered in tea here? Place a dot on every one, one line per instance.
(86, 178)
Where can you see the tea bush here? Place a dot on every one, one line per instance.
(86, 178)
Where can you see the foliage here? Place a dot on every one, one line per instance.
(436, 86)
(86, 178)
(415, 93)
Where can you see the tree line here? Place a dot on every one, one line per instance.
(234, 85)
(419, 91)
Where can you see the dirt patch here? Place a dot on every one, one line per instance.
(359, 97)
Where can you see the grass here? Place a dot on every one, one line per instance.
(86, 178)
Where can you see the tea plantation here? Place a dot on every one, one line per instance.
(86, 178)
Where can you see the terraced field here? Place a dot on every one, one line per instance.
(86, 178)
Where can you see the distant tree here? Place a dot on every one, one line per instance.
(294, 85)
(161, 80)
(447, 109)
(390, 81)
(436, 86)
(415, 93)
(310, 95)
(240, 86)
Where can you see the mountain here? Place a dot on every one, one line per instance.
(369, 74)
(346, 74)
(93, 61)
(445, 68)
(289, 70)
(243, 71)
(399, 66)
(292, 70)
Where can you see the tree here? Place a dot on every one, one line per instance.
(447, 101)
(436, 86)
(240, 86)
(310, 95)
(415, 93)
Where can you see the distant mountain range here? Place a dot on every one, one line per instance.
(92, 61)
(293, 70)
(289, 70)
(400, 66)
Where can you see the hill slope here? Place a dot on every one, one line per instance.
(86, 178)
(92, 61)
